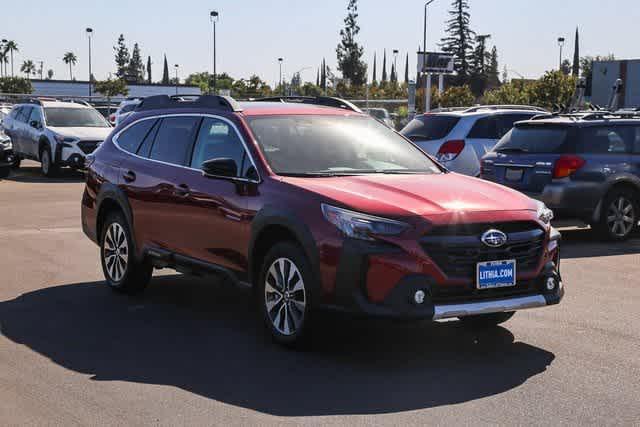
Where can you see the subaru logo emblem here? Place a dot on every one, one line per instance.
(494, 238)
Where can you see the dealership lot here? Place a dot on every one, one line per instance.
(187, 352)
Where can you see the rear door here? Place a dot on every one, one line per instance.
(20, 128)
(430, 131)
(525, 157)
(32, 133)
(635, 153)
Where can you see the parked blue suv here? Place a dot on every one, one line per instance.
(584, 166)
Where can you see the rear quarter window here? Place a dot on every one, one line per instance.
(131, 138)
(606, 140)
(430, 127)
(535, 139)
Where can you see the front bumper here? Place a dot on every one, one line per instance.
(362, 263)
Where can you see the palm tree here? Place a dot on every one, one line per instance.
(70, 59)
(28, 67)
(11, 47)
(4, 60)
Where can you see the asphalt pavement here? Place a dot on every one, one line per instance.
(191, 351)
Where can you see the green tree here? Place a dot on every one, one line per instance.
(457, 96)
(135, 68)
(122, 57)
(309, 89)
(149, 80)
(406, 70)
(201, 80)
(384, 67)
(374, 76)
(15, 85)
(566, 67)
(11, 47)
(49, 74)
(323, 74)
(554, 88)
(349, 51)
(576, 56)
(514, 93)
(165, 72)
(4, 60)
(459, 38)
(112, 88)
(493, 69)
(28, 68)
(70, 59)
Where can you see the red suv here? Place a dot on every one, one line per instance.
(316, 207)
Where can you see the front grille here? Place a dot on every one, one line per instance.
(88, 147)
(457, 250)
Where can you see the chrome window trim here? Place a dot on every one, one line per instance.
(114, 139)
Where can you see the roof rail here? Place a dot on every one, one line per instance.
(160, 102)
(326, 101)
(504, 107)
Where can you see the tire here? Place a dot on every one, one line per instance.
(47, 164)
(123, 273)
(16, 163)
(286, 312)
(487, 320)
(5, 171)
(620, 215)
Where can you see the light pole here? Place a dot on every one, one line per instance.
(177, 81)
(427, 77)
(214, 16)
(561, 45)
(89, 34)
(280, 60)
(395, 63)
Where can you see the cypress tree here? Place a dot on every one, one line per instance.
(165, 72)
(318, 78)
(375, 71)
(122, 57)
(323, 74)
(576, 56)
(384, 67)
(406, 70)
(149, 70)
(459, 38)
(135, 69)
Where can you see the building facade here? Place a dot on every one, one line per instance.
(605, 74)
(66, 88)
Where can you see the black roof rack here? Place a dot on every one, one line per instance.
(161, 102)
(326, 101)
(477, 108)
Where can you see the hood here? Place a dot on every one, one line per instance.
(416, 195)
(84, 133)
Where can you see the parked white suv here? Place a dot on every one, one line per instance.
(55, 133)
(459, 137)
(125, 109)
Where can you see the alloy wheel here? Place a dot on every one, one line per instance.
(116, 252)
(620, 217)
(45, 162)
(285, 296)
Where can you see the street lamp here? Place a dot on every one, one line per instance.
(395, 63)
(427, 80)
(561, 45)
(89, 35)
(177, 80)
(280, 60)
(214, 16)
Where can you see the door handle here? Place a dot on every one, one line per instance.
(182, 190)
(129, 176)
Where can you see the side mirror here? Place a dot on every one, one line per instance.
(222, 167)
(34, 124)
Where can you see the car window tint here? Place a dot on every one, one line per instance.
(15, 113)
(173, 141)
(534, 139)
(484, 128)
(504, 122)
(217, 140)
(35, 116)
(145, 148)
(24, 114)
(605, 140)
(429, 127)
(131, 139)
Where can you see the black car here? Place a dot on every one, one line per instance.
(582, 166)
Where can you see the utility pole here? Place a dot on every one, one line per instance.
(426, 76)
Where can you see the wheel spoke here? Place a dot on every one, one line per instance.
(287, 329)
(627, 219)
(621, 202)
(628, 209)
(285, 297)
(298, 286)
(273, 303)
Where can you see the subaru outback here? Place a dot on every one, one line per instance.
(315, 207)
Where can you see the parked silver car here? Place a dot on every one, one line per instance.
(459, 138)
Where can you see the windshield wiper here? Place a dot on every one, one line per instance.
(512, 150)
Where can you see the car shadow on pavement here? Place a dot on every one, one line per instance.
(583, 243)
(31, 174)
(205, 339)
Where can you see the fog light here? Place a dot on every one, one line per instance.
(551, 283)
(418, 297)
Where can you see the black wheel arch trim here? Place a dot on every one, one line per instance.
(630, 180)
(111, 192)
(277, 216)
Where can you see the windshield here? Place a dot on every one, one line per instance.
(533, 139)
(429, 127)
(336, 145)
(74, 117)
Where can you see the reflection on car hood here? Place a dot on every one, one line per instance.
(421, 195)
(84, 133)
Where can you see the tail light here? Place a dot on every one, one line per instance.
(566, 165)
(450, 150)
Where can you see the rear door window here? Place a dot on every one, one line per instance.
(174, 140)
(484, 128)
(430, 127)
(23, 114)
(606, 140)
(505, 122)
(535, 139)
(131, 139)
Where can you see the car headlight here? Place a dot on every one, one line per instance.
(362, 226)
(61, 139)
(544, 213)
(6, 144)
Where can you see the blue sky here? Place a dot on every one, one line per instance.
(252, 34)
